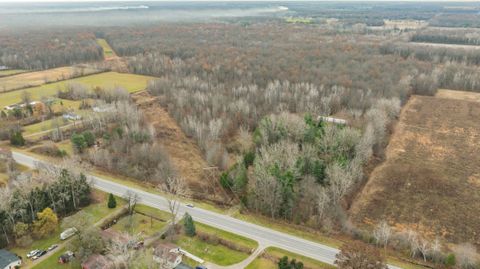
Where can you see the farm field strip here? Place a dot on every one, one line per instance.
(107, 50)
(11, 72)
(108, 80)
(432, 159)
(37, 78)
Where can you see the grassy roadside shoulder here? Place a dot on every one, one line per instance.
(268, 260)
(206, 245)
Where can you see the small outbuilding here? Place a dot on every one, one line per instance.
(9, 260)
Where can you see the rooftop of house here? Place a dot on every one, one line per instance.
(7, 257)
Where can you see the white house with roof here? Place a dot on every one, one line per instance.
(9, 260)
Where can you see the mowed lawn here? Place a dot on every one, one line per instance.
(272, 254)
(108, 80)
(216, 253)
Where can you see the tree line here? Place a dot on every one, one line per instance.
(26, 197)
(37, 50)
(235, 55)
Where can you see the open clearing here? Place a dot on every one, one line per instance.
(107, 50)
(183, 151)
(130, 82)
(32, 79)
(430, 180)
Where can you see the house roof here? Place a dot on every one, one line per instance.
(6, 258)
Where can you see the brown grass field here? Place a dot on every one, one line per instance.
(184, 153)
(430, 180)
(31, 79)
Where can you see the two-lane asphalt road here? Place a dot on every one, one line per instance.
(265, 236)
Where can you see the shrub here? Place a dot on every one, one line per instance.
(450, 260)
(112, 203)
(89, 138)
(225, 180)
(248, 158)
(189, 225)
(79, 143)
(16, 139)
(293, 264)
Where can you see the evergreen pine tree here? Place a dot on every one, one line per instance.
(189, 225)
(112, 203)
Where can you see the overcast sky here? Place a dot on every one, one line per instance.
(37, 1)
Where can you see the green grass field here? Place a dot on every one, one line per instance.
(153, 212)
(140, 225)
(130, 82)
(107, 50)
(217, 254)
(299, 20)
(43, 126)
(263, 263)
(11, 72)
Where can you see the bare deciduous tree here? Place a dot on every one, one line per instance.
(382, 233)
(466, 255)
(175, 188)
(132, 199)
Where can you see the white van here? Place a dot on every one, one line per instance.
(68, 233)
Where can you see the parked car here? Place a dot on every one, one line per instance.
(32, 253)
(39, 254)
(68, 233)
(52, 247)
(200, 267)
(190, 205)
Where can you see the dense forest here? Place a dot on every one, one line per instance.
(448, 36)
(34, 50)
(235, 55)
